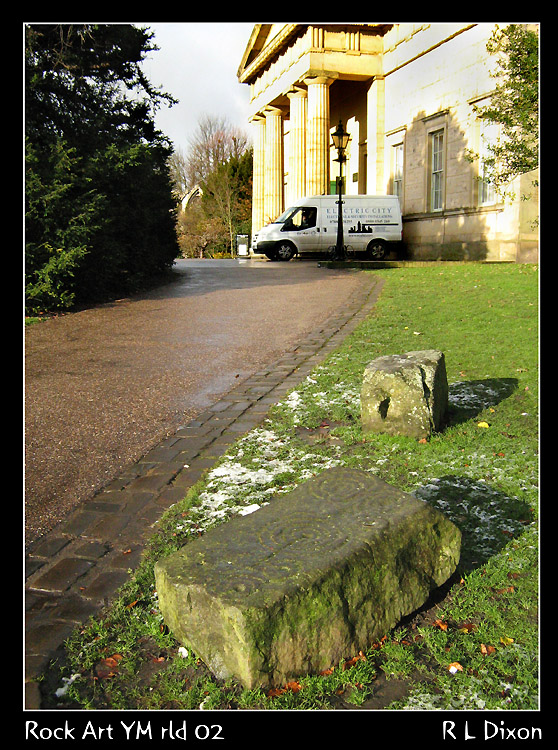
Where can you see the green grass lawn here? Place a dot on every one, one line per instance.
(478, 647)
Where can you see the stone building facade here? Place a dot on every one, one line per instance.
(406, 93)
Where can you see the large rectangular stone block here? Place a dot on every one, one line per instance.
(308, 580)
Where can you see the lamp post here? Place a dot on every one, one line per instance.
(340, 139)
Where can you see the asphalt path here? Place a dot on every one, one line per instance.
(105, 385)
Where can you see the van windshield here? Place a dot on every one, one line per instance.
(285, 215)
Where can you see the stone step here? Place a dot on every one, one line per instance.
(308, 580)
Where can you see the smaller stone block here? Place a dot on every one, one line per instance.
(405, 394)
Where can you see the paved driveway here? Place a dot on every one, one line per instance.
(105, 385)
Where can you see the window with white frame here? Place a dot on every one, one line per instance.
(436, 170)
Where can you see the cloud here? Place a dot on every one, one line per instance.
(197, 64)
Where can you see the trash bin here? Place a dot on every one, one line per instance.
(242, 244)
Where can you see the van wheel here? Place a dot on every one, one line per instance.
(376, 250)
(284, 251)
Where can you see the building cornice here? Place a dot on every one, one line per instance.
(248, 71)
(245, 74)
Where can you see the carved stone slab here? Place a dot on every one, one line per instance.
(308, 580)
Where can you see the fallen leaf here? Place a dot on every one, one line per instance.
(440, 624)
(507, 590)
(467, 627)
(506, 640)
(351, 662)
(483, 424)
(326, 672)
(454, 667)
(423, 441)
(294, 686)
(132, 604)
(108, 667)
(487, 650)
(380, 643)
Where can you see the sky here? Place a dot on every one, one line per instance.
(197, 63)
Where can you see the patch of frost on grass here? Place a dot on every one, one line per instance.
(234, 488)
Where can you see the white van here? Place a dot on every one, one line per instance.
(370, 224)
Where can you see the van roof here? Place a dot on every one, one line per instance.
(345, 197)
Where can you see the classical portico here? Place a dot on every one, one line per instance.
(291, 69)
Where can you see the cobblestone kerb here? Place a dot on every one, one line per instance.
(75, 570)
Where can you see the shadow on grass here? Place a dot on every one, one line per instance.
(469, 397)
(486, 517)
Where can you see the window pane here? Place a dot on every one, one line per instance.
(398, 170)
(437, 170)
(436, 191)
(488, 138)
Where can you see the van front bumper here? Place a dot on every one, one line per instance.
(264, 247)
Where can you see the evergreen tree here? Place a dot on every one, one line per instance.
(99, 206)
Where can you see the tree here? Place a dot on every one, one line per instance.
(198, 232)
(178, 167)
(213, 143)
(227, 194)
(514, 105)
(99, 208)
(220, 163)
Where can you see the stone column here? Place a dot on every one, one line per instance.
(317, 136)
(376, 136)
(258, 129)
(297, 166)
(273, 190)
